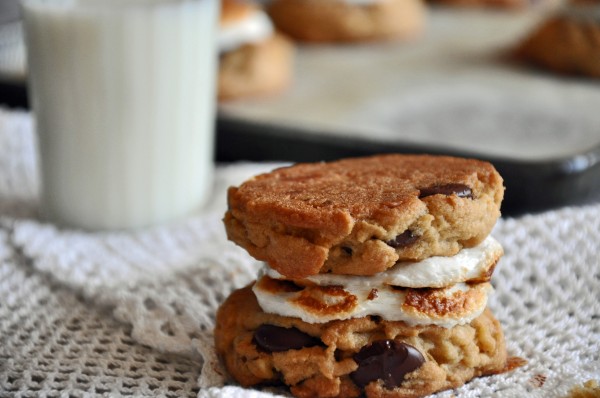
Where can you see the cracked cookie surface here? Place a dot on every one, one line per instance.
(360, 216)
(328, 359)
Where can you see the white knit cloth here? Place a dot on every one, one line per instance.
(131, 314)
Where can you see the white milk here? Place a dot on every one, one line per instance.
(124, 98)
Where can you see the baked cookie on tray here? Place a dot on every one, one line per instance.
(568, 42)
(348, 20)
(361, 216)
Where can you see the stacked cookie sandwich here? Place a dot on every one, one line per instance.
(375, 281)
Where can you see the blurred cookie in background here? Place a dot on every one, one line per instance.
(255, 60)
(348, 20)
(568, 42)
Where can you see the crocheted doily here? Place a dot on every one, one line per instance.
(132, 313)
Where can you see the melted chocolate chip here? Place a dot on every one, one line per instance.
(373, 294)
(402, 240)
(276, 338)
(387, 360)
(460, 190)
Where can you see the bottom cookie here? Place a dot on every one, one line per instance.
(360, 356)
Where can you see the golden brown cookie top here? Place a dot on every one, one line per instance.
(331, 195)
(293, 216)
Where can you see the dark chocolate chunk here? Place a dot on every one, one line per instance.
(387, 360)
(273, 338)
(373, 294)
(402, 240)
(460, 190)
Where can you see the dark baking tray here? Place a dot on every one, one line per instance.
(531, 186)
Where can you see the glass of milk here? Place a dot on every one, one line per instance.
(123, 93)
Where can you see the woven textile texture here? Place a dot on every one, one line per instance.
(131, 313)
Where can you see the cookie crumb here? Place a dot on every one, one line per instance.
(538, 380)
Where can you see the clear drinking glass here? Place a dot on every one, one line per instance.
(123, 93)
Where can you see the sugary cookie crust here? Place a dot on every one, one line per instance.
(256, 69)
(340, 217)
(452, 356)
(340, 21)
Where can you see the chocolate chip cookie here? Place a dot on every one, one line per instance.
(349, 358)
(361, 216)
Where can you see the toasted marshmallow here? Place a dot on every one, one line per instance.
(443, 291)
(251, 26)
(474, 264)
(446, 307)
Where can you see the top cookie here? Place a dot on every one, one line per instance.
(360, 216)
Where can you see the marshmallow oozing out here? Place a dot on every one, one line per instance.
(430, 292)
(446, 307)
(474, 264)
